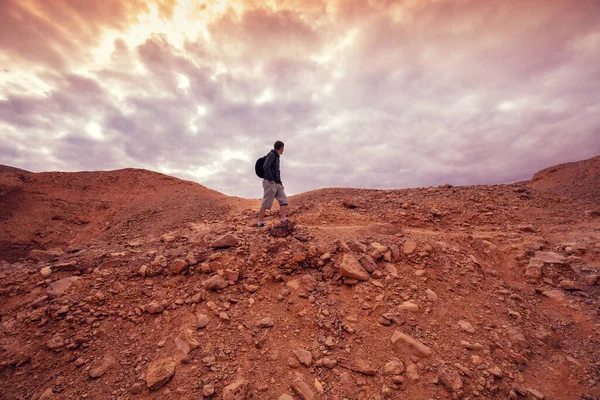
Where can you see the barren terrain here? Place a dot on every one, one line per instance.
(130, 284)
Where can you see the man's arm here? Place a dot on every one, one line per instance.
(267, 166)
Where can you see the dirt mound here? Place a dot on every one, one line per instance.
(134, 285)
(576, 180)
(6, 168)
(58, 209)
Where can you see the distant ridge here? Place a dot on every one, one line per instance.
(6, 168)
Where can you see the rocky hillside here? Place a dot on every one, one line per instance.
(576, 180)
(130, 284)
(58, 209)
(6, 168)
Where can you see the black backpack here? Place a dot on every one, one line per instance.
(258, 167)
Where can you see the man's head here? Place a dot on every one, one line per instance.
(278, 146)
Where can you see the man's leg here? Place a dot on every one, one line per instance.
(283, 202)
(269, 192)
(261, 215)
(283, 212)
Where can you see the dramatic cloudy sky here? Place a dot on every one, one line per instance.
(370, 93)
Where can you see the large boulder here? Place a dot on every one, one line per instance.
(179, 266)
(404, 344)
(46, 255)
(549, 257)
(301, 388)
(159, 372)
(58, 288)
(225, 241)
(351, 268)
(236, 390)
(215, 282)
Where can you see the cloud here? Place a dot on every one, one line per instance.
(378, 94)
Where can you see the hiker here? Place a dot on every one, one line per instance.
(272, 186)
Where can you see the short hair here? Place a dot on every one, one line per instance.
(278, 145)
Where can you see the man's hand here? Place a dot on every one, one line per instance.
(272, 182)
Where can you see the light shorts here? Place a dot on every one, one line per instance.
(272, 191)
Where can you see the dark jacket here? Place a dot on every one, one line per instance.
(271, 167)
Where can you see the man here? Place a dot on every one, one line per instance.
(272, 186)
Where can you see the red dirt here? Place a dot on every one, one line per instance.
(124, 233)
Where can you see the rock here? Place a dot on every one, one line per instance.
(56, 342)
(570, 285)
(362, 367)
(285, 397)
(534, 269)
(329, 363)
(185, 342)
(236, 390)
(404, 344)
(143, 271)
(215, 282)
(357, 246)
(191, 259)
(106, 364)
(137, 388)
(379, 251)
(325, 257)
(302, 389)
(412, 372)
(154, 308)
(304, 356)
(450, 379)
(283, 229)
(167, 238)
(65, 266)
(308, 283)
(232, 275)
(224, 316)
(159, 373)
(535, 393)
(390, 269)
(58, 288)
(466, 326)
(266, 322)
(495, 371)
(46, 394)
(46, 255)
(409, 306)
(549, 257)
(591, 280)
(351, 268)
(368, 263)
(208, 390)
(409, 247)
(160, 261)
(431, 296)
(319, 387)
(526, 228)
(225, 241)
(179, 266)
(554, 294)
(299, 257)
(395, 252)
(201, 321)
(250, 288)
(46, 272)
(394, 367)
